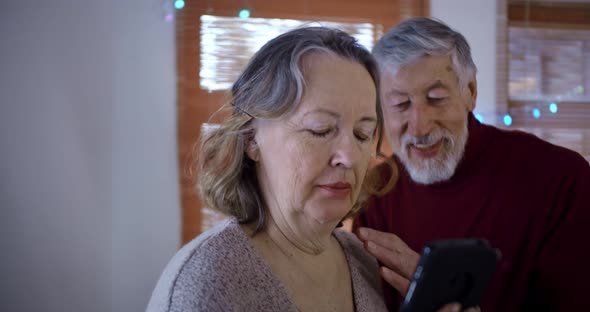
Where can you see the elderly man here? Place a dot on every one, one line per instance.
(458, 178)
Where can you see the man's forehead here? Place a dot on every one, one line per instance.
(441, 64)
(402, 90)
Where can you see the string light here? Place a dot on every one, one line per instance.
(479, 117)
(518, 112)
(244, 13)
(507, 120)
(179, 4)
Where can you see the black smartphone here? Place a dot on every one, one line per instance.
(451, 271)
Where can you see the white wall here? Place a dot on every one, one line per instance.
(146, 208)
(476, 20)
(88, 196)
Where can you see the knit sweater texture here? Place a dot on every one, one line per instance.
(221, 270)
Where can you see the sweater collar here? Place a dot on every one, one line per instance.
(478, 140)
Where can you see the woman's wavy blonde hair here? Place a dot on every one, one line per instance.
(272, 85)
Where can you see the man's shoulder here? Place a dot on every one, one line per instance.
(531, 149)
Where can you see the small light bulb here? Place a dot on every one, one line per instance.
(244, 13)
(507, 120)
(479, 117)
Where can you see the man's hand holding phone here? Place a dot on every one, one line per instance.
(448, 271)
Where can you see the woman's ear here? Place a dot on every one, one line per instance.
(252, 149)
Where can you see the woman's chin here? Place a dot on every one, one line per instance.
(330, 218)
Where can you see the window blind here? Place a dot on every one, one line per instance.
(549, 84)
(227, 43)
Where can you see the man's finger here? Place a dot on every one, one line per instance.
(403, 262)
(453, 307)
(400, 283)
(387, 240)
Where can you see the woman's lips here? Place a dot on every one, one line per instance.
(339, 189)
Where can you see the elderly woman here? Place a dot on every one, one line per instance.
(288, 165)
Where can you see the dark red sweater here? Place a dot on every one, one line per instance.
(527, 197)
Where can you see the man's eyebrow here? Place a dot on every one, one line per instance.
(438, 84)
(395, 92)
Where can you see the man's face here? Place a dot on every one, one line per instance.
(426, 117)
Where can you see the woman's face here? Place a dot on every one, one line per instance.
(311, 163)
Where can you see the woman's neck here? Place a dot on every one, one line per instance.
(314, 271)
(299, 239)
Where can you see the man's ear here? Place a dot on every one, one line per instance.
(252, 149)
(472, 94)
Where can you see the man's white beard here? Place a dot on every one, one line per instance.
(439, 168)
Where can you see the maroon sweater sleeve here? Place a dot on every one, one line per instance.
(562, 269)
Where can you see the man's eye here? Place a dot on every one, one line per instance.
(402, 106)
(436, 100)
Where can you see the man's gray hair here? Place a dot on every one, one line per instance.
(418, 37)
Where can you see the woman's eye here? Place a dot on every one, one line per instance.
(320, 133)
(362, 136)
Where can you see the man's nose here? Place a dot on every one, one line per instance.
(420, 121)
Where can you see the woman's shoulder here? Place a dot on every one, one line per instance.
(209, 248)
(353, 248)
(225, 232)
(194, 272)
(364, 272)
(220, 270)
